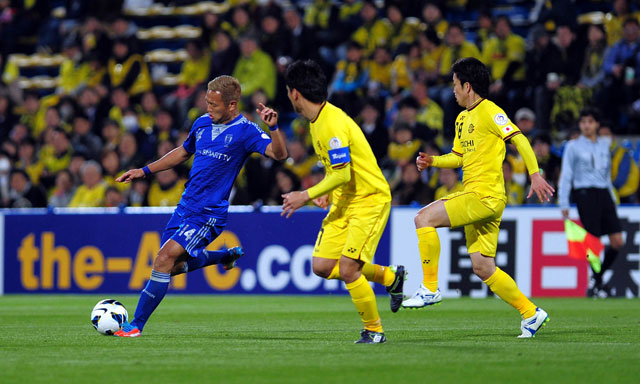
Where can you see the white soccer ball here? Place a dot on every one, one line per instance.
(108, 315)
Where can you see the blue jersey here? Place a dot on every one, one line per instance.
(220, 151)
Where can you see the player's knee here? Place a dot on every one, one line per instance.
(322, 271)
(164, 262)
(483, 271)
(616, 241)
(421, 219)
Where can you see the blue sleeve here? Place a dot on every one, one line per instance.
(257, 140)
(610, 59)
(190, 143)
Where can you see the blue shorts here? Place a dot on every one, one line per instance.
(194, 231)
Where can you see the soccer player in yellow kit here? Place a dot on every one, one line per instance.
(478, 147)
(361, 199)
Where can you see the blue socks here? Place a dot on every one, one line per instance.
(205, 259)
(150, 297)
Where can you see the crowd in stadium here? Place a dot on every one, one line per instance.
(390, 65)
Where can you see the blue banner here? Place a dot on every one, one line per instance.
(113, 253)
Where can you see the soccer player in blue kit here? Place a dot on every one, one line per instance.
(220, 141)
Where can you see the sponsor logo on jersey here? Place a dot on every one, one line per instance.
(470, 129)
(335, 143)
(500, 119)
(265, 136)
(227, 139)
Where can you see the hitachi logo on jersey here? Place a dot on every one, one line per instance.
(467, 143)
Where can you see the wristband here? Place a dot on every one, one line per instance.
(146, 171)
(274, 128)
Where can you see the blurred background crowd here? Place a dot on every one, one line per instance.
(93, 88)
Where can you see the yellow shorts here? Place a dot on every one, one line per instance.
(353, 231)
(480, 217)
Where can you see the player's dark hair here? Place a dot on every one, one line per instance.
(471, 70)
(307, 78)
(590, 111)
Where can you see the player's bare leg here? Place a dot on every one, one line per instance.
(427, 220)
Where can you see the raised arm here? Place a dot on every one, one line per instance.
(177, 156)
(277, 149)
(450, 160)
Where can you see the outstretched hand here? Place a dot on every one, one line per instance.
(292, 201)
(131, 175)
(540, 187)
(423, 161)
(268, 115)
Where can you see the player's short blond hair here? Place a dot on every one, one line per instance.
(229, 88)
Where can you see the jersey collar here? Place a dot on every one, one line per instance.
(475, 104)
(319, 111)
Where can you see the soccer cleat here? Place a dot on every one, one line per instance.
(370, 337)
(422, 298)
(229, 261)
(127, 330)
(395, 289)
(532, 324)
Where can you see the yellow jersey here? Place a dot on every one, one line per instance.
(497, 54)
(480, 135)
(338, 141)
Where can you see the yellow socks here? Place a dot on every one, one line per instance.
(365, 302)
(429, 245)
(503, 285)
(372, 272)
(378, 274)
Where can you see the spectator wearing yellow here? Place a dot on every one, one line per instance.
(28, 159)
(91, 192)
(240, 24)
(56, 156)
(319, 14)
(429, 112)
(406, 68)
(255, 69)
(514, 191)
(456, 48)
(350, 80)
(403, 147)
(613, 21)
(431, 60)
(504, 56)
(110, 135)
(111, 170)
(485, 28)
(625, 175)
(146, 111)
(433, 19)
(166, 189)
(374, 31)
(404, 30)
(299, 161)
(449, 183)
(127, 70)
(73, 72)
(194, 70)
(380, 68)
(120, 103)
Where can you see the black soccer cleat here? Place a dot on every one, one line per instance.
(395, 289)
(371, 337)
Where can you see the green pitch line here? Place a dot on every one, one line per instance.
(267, 339)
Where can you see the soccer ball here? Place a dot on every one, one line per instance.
(108, 315)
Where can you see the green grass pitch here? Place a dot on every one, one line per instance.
(294, 339)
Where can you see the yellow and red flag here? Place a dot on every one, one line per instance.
(583, 245)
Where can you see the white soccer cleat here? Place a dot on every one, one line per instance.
(422, 298)
(532, 324)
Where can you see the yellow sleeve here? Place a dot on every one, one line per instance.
(331, 181)
(450, 160)
(524, 148)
